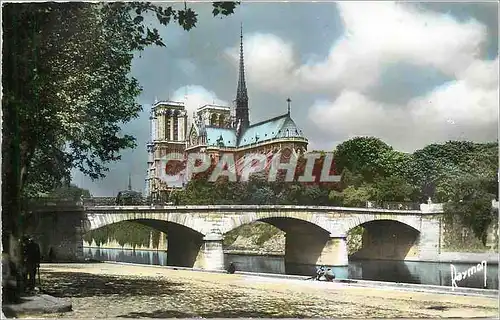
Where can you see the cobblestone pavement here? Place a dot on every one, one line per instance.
(105, 290)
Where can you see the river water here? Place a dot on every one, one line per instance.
(379, 270)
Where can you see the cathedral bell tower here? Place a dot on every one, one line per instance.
(242, 119)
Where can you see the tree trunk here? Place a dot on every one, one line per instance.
(12, 224)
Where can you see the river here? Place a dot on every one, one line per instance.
(379, 270)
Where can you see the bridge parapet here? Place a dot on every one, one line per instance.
(393, 205)
(50, 204)
(431, 208)
(246, 208)
(99, 201)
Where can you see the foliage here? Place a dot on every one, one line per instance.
(66, 90)
(349, 178)
(431, 164)
(356, 197)
(71, 191)
(355, 239)
(368, 156)
(126, 232)
(264, 232)
(129, 197)
(393, 188)
(471, 204)
(258, 190)
(69, 63)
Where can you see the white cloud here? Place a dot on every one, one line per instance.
(268, 60)
(196, 96)
(465, 108)
(399, 31)
(473, 98)
(376, 33)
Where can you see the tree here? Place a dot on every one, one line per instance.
(262, 195)
(432, 163)
(290, 194)
(393, 188)
(363, 155)
(351, 179)
(314, 195)
(471, 204)
(71, 191)
(463, 175)
(66, 90)
(354, 197)
(129, 197)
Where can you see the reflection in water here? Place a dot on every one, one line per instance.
(152, 257)
(391, 271)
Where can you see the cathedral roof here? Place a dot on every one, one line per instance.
(276, 128)
(214, 135)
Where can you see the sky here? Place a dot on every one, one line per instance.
(410, 74)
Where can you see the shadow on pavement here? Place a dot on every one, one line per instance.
(222, 314)
(79, 284)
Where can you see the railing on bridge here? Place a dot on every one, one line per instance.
(111, 201)
(393, 205)
(99, 201)
(52, 202)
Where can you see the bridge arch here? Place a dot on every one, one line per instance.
(185, 235)
(272, 217)
(308, 240)
(385, 237)
(350, 223)
(98, 220)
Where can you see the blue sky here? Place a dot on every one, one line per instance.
(408, 73)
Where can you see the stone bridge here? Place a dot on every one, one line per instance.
(314, 234)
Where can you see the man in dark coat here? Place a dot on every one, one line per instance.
(232, 268)
(31, 260)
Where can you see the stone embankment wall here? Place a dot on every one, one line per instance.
(459, 244)
(58, 232)
(457, 238)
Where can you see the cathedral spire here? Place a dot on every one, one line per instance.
(241, 93)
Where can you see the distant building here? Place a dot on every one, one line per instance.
(129, 196)
(216, 130)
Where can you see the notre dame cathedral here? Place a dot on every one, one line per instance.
(215, 130)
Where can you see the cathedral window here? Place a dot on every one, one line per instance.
(213, 119)
(176, 126)
(167, 127)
